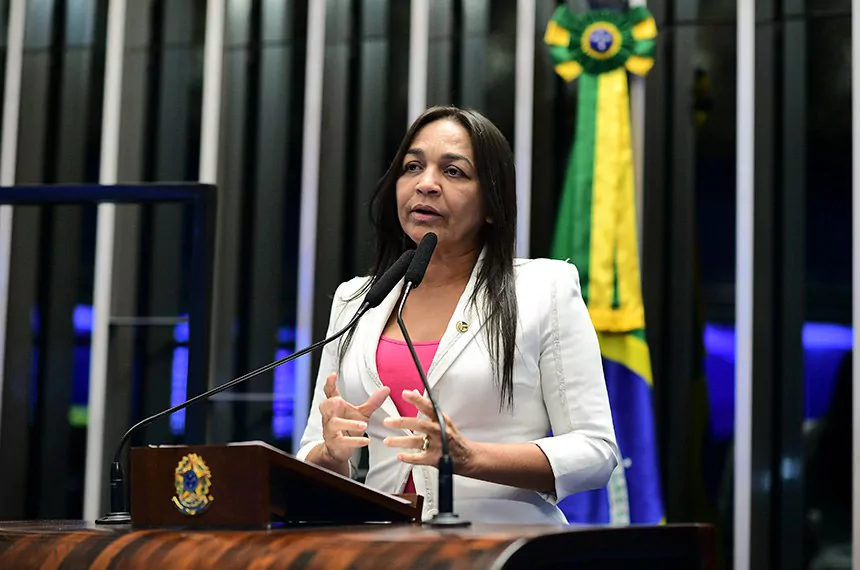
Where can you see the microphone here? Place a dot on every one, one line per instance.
(119, 512)
(446, 517)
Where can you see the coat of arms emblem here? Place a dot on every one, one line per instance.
(192, 481)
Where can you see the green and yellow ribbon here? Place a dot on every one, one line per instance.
(597, 222)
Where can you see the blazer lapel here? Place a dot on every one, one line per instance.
(464, 326)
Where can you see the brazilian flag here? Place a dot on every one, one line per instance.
(596, 230)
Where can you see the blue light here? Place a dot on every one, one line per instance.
(825, 346)
(179, 388)
(180, 331)
(286, 335)
(283, 390)
(82, 318)
(827, 335)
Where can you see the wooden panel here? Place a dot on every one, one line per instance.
(239, 487)
(250, 482)
(79, 545)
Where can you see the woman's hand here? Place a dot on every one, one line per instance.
(426, 445)
(343, 423)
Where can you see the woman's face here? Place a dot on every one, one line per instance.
(438, 188)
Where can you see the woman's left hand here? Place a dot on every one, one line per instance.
(426, 445)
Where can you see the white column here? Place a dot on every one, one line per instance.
(637, 133)
(8, 160)
(314, 65)
(213, 65)
(524, 119)
(419, 55)
(96, 466)
(210, 131)
(855, 276)
(744, 282)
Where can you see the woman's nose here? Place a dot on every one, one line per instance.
(428, 183)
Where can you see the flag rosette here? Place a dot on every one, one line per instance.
(601, 41)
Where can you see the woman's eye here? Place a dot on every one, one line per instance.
(453, 171)
(412, 167)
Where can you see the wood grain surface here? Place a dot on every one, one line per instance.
(74, 544)
(253, 483)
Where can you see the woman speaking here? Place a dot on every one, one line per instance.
(508, 345)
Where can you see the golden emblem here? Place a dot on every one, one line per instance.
(192, 480)
(462, 326)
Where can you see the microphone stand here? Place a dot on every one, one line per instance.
(119, 512)
(446, 517)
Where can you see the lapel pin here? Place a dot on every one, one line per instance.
(462, 326)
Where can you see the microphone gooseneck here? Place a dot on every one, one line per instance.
(446, 517)
(119, 512)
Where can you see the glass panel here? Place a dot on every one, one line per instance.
(712, 76)
(171, 146)
(689, 12)
(828, 332)
(440, 64)
(554, 119)
(59, 141)
(828, 6)
(260, 165)
(500, 78)
(689, 285)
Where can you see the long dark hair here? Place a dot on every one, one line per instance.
(494, 164)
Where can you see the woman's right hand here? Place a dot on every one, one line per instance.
(343, 423)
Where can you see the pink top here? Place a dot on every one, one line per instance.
(397, 371)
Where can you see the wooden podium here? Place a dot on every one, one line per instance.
(221, 506)
(250, 485)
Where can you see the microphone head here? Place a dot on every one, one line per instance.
(389, 279)
(423, 253)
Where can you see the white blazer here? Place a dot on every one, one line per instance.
(558, 386)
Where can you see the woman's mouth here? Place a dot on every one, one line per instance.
(425, 214)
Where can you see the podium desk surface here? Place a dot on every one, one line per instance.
(77, 544)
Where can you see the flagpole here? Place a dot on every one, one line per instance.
(637, 135)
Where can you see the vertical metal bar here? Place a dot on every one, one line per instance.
(213, 65)
(681, 283)
(96, 466)
(744, 282)
(173, 137)
(419, 49)
(235, 107)
(524, 119)
(767, 292)
(637, 132)
(200, 308)
(8, 160)
(210, 131)
(789, 192)
(373, 118)
(855, 276)
(312, 131)
(266, 133)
